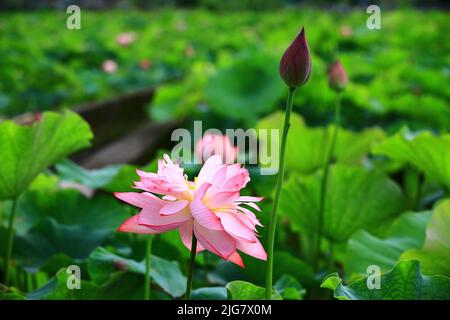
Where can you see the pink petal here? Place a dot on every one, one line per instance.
(132, 225)
(254, 249)
(216, 241)
(248, 222)
(146, 175)
(236, 258)
(201, 213)
(186, 237)
(169, 180)
(249, 199)
(173, 207)
(253, 205)
(170, 198)
(151, 217)
(139, 200)
(235, 227)
(219, 177)
(236, 182)
(250, 215)
(209, 168)
(141, 186)
(221, 199)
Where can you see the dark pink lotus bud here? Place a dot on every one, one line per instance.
(337, 77)
(295, 65)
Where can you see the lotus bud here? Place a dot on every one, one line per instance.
(337, 77)
(295, 65)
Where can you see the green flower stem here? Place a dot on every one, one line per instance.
(191, 267)
(10, 241)
(280, 178)
(148, 256)
(323, 187)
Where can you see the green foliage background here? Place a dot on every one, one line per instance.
(388, 196)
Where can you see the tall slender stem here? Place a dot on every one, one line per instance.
(280, 178)
(148, 255)
(10, 241)
(323, 187)
(191, 267)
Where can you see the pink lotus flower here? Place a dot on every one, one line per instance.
(125, 39)
(109, 66)
(211, 145)
(210, 207)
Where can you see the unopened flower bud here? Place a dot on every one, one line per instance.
(295, 65)
(337, 77)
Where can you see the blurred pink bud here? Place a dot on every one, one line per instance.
(120, 265)
(337, 77)
(29, 119)
(37, 116)
(109, 66)
(125, 39)
(295, 65)
(189, 51)
(346, 31)
(211, 145)
(145, 64)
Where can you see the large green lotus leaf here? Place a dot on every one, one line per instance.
(242, 290)
(210, 293)
(308, 146)
(179, 100)
(121, 286)
(70, 171)
(10, 293)
(123, 180)
(435, 254)
(11, 296)
(365, 249)
(26, 217)
(356, 198)
(248, 88)
(224, 272)
(404, 282)
(70, 207)
(65, 222)
(25, 151)
(286, 264)
(429, 153)
(166, 274)
(289, 288)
